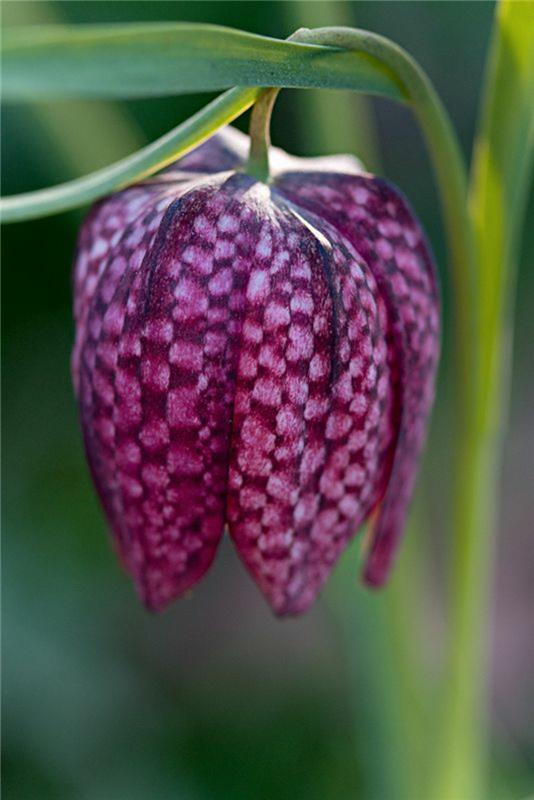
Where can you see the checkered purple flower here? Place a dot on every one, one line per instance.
(258, 357)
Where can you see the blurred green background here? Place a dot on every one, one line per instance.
(216, 698)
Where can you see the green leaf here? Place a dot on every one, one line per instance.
(358, 59)
(146, 161)
(144, 60)
(500, 179)
(502, 164)
(81, 135)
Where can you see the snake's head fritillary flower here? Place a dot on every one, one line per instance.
(255, 356)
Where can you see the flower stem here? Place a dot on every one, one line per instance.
(472, 463)
(139, 165)
(260, 137)
(482, 243)
(500, 176)
(449, 170)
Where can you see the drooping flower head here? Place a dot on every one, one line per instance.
(255, 356)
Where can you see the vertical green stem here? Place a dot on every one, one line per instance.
(451, 178)
(481, 246)
(500, 177)
(390, 663)
(260, 136)
(354, 130)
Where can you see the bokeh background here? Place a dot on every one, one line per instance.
(216, 698)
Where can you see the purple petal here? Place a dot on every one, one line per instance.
(262, 357)
(158, 410)
(378, 221)
(312, 432)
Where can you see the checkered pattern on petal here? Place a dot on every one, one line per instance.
(378, 221)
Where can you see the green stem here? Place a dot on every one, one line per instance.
(260, 136)
(499, 182)
(333, 67)
(474, 461)
(449, 169)
(163, 151)
(354, 130)
(391, 663)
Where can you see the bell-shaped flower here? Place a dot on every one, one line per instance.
(257, 356)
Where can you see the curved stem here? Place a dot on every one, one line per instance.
(473, 463)
(482, 247)
(260, 136)
(144, 162)
(449, 169)
(500, 177)
(333, 68)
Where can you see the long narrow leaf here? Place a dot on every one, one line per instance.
(84, 190)
(500, 180)
(143, 60)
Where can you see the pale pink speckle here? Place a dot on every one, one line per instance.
(224, 249)
(200, 257)
(258, 286)
(181, 404)
(276, 315)
(186, 355)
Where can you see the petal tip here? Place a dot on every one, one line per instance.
(158, 592)
(153, 601)
(373, 577)
(287, 605)
(378, 565)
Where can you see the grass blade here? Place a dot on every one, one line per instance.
(180, 140)
(501, 173)
(156, 59)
